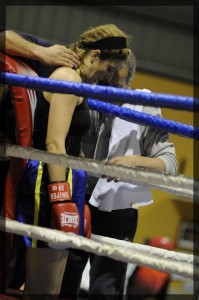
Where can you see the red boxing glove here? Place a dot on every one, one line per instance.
(64, 213)
(87, 221)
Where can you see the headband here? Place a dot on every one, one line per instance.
(108, 43)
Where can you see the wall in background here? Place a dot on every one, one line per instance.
(164, 216)
(162, 35)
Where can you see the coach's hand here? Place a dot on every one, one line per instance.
(58, 55)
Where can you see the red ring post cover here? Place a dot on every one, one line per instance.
(24, 103)
(22, 99)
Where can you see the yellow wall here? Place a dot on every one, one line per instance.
(164, 216)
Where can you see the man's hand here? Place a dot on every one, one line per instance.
(58, 55)
(126, 161)
(155, 164)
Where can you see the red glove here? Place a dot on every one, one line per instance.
(87, 221)
(64, 213)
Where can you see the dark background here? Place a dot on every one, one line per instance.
(162, 35)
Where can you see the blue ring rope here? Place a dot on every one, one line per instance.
(130, 115)
(101, 92)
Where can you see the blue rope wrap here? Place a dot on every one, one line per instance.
(130, 115)
(101, 92)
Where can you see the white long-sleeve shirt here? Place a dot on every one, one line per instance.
(152, 143)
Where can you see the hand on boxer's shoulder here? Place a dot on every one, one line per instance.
(59, 55)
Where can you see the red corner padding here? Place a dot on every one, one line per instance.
(24, 103)
(22, 99)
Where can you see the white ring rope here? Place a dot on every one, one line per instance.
(115, 252)
(180, 185)
(167, 254)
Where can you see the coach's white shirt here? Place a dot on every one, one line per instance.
(124, 140)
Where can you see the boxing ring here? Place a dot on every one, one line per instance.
(186, 265)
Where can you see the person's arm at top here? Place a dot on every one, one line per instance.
(55, 55)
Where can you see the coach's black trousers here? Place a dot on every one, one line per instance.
(107, 276)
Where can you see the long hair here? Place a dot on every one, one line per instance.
(97, 33)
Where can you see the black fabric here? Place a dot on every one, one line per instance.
(7, 116)
(119, 224)
(90, 139)
(107, 276)
(76, 263)
(17, 265)
(4, 166)
(108, 43)
(79, 125)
